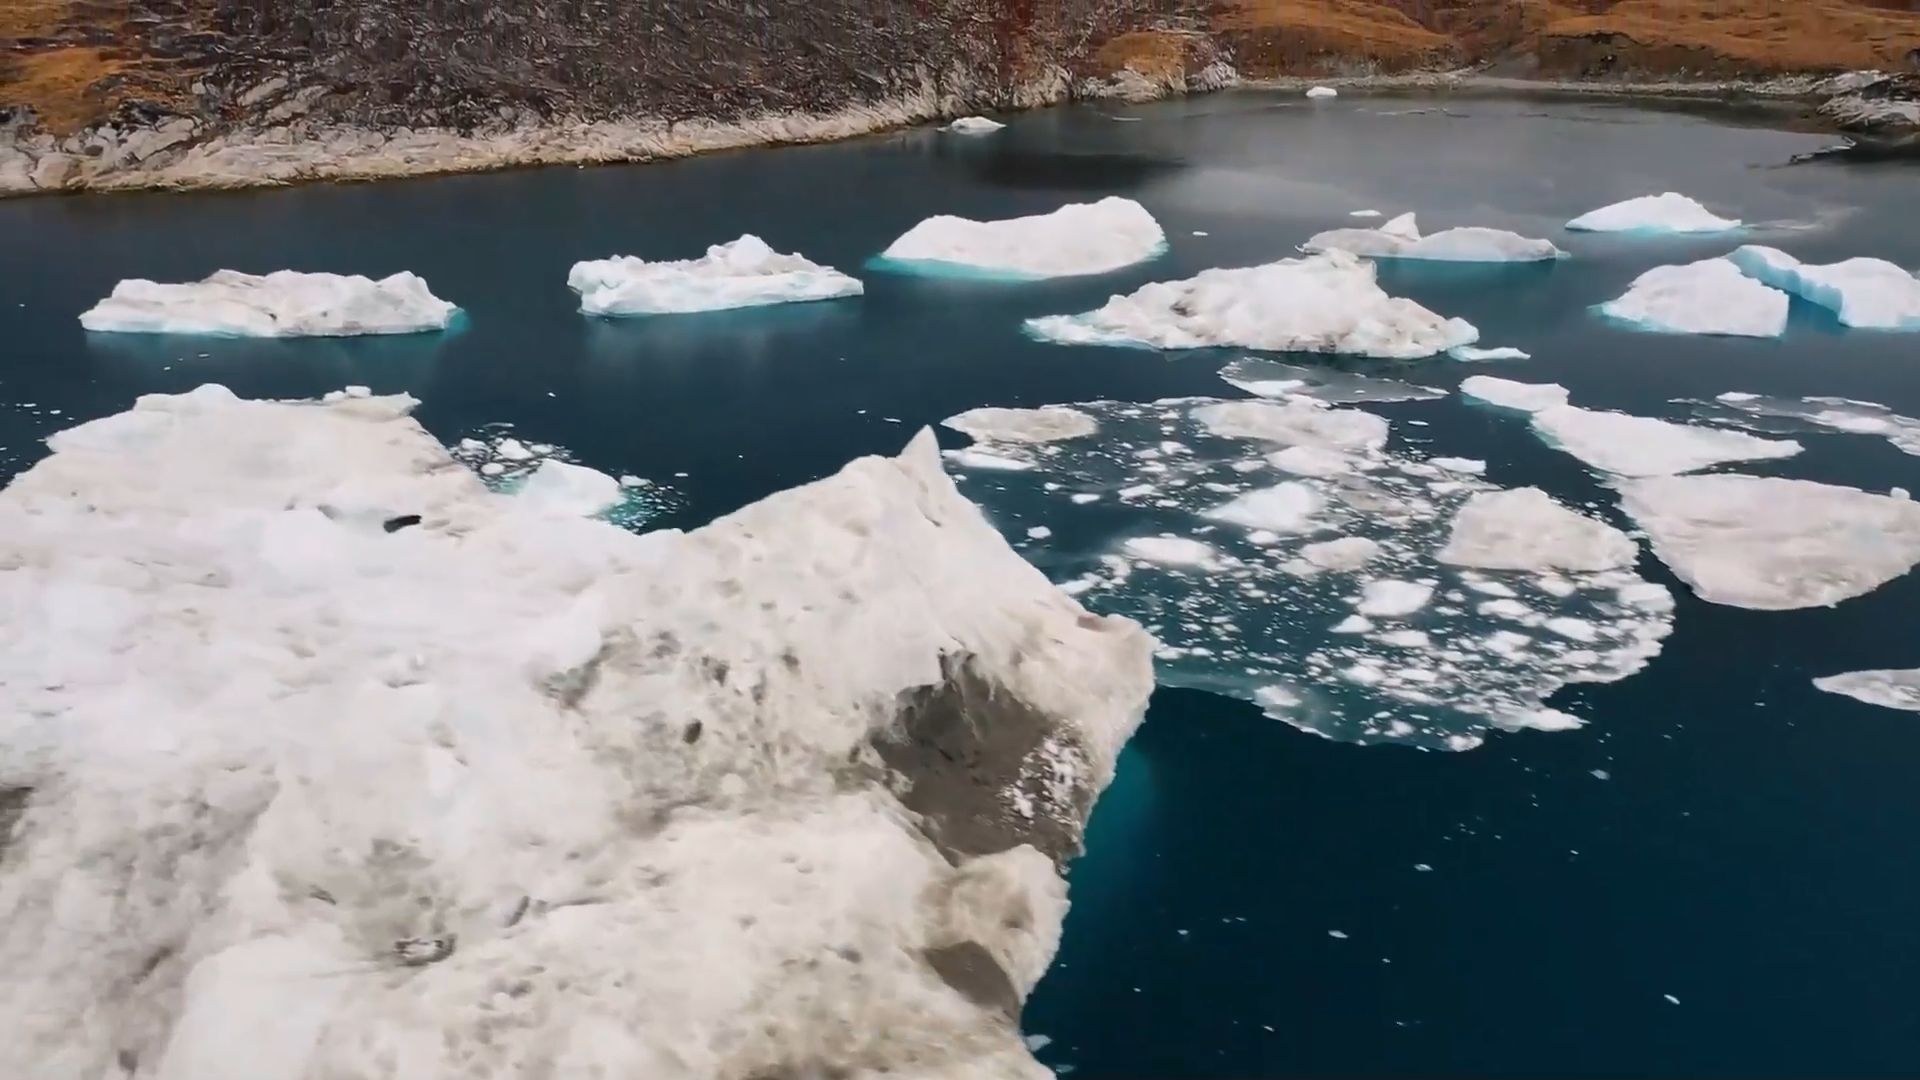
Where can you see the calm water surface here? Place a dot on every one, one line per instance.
(1721, 833)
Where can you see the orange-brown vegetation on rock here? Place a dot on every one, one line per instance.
(62, 85)
(1731, 37)
(1314, 37)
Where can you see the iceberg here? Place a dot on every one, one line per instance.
(1507, 394)
(1871, 294)
(507, 792)
(1773, 544)
(1627, 445)
(1711, 296)
(285, 303)
(1077, 239)
(743, 273)
(1668, 213)
(1327, 303)
(1892, 689)
(1401, 239)
(1246, 535)
(1323, 92)
(1526, 529)
(974, 125)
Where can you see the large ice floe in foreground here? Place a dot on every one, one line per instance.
(743, 273)
(1773, 544)
(1671, 212)
(1400, 239)
(1872, 294)
(331, 762)
(1327, 303)
(1284, 555)
(1891, 689)
(1079, 238)
(285, 303)
(1711, 296)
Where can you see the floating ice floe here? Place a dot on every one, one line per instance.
(1507, 394)
(504, 791)
(1893, 689)
(743, 273)
(1773, 415)
(1365, 213)
(1079, 238)
(285, 303)
(1711, 296)
(1503, 352)
(1868, 293)
(1272, 379)
(1323, 92)
(1284, 556)
(974, 125)
(1401, 239)
(1668, 213)
(1774, 544)
(1022, 425)
(1627, 445)
(1328, 303)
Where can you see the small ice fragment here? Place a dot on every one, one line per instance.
(973, 125)
(1391, 598)
(513, 450)
(1340, 935)
(1671, 1000)
(1352, 624)
(1084, 497)
(1039, 532)
(1037, 1043)
(1600, 774)
(1470, 466)
(1507, 394)
(1320, 92)
(1423, 867)
(1364, 213)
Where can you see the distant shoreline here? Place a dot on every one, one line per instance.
(170, 158)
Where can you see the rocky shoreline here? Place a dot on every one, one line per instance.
(181, 153)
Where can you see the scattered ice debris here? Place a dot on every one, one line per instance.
(1668, 213)
(974, 125)
(550, 482)
(1022, 425)
(557, 487)
(1275, 606)
(743, 273)
(1326, 303)
(1773, 544)
(1323, 92)
(1272, 379)
(1711, 296)
(268, 739)
(1868, 293)
(1039, 532)
(1627, 445)
(1526, 529)
(1503, 352)
(1079, 238)
(1401, 239)
(285, 303)
(1507, 394)
(1893, 689)
(1813, 414)
(1365, 213)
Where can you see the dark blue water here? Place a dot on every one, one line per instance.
(1749, 850)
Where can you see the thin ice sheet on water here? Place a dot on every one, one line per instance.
(1891, 689)
(1773, 544)
(741, 273)
(1273, 379)
(1327, 303)
(1783, 415)
(1282, 555)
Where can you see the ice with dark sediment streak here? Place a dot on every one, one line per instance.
(1327, 303)
(1284, 554)
(329, 752)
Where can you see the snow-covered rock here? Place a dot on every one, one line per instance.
(1401, 239)
(285, 303)
(1526, 529)
(1667, 213)
(1773, 544)
(1892, 689)
(1871, 294)
(1327, 303)
(501, 792)
(1079, 238)
(1711, 296)
(743, 273)
(1507, 394)
(1627, 445)
(974, 125)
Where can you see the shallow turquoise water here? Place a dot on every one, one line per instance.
(1747, 850)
